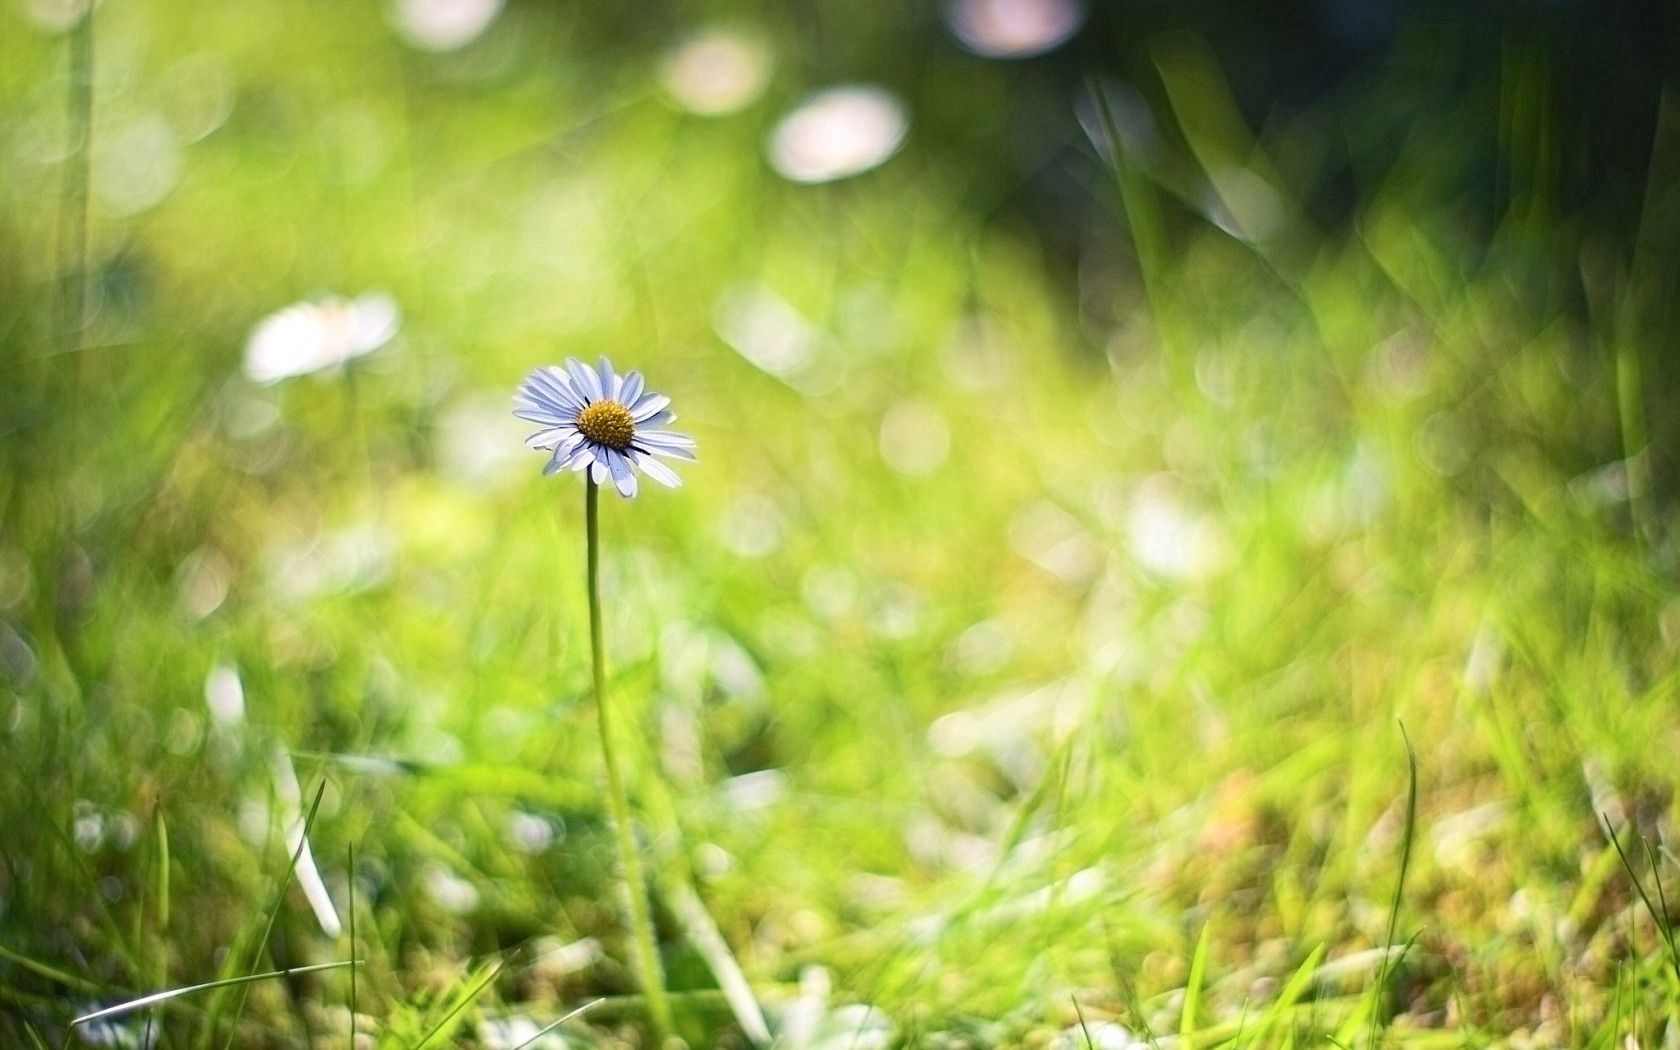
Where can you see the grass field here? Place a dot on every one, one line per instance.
(1029, 660)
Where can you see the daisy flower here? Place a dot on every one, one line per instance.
(837, 133)
(320, 335)
(596, 419)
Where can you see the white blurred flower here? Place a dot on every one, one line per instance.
(224, 695)
(855, 1026)
(530, 833)
(838, 132)
(716, 71)
(1165, 536)
(514, 1033)
(88, 827)
(314, 336)
(444, 25)
(1014, 28)
(1098, 1035)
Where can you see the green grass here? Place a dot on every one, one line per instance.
(1097, 721)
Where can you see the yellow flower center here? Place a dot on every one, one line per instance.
(607, 423)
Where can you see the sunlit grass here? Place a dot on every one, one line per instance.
(1019, 660)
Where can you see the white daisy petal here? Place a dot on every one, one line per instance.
(599, 472)
(648, 407)
(555, 386)
(623, 479)
(647, 399)
(658, 419)
(672, 453)
(563, 379)
(655, 469)
(550, 437)
(546, 405)
(541, 415)
(631, 388)
(588, 384)
(609, 381)
(669, 438)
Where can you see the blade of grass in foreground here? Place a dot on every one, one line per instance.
(462, 1002)
(162, 882)
(1664, 930)
(350, 870)
(1193, 989)
(51, 973)
(1083, 1028)
(279, 899)
(552, 1025)
(708, 940)
(1406, 837)
(1291, 993)
(175, 993)
(34, 1036)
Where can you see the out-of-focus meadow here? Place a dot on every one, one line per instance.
(1103, 455)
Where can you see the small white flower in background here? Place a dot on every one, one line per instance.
(513, 1033)
(224, 695)
(1098, 1035)
(597, 420)
(530, 833)
(88, 829)
(810, 1022)
(716, 71)
(838, 132)
(1014, 28)
(444, 25)
(315, 336)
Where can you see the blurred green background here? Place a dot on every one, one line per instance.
(1116, 422)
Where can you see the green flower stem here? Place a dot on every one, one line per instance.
(644, 947)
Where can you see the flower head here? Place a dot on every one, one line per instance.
(837, 133)
(596, 419)
(316, 336)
